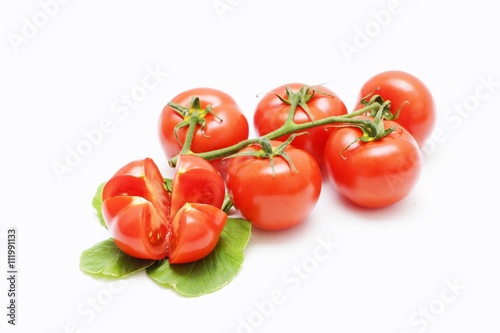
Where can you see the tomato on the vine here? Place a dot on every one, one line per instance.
(147, 221)
(221, 124)
(274, 197)
(135, 208)
(405, 91)
(373, 174)
(317, 102)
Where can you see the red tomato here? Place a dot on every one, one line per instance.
(135, 209)
(418, 116)
(227, 128)
(196, 181)
(271, 114)
(196, 229)
(274, 200)
(147, 222)
(373, 174)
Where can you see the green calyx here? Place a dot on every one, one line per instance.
(374, 130)
(385, 106)
(267, 151)
(194, 114)
(300, 98)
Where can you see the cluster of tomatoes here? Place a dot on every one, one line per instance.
(274, 180)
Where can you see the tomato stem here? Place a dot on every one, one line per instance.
(298, 99)
(372, 130)
(227, 205)
(267, 151)
(192, 120)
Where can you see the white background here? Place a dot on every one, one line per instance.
(436, 252)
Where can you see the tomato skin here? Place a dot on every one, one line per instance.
(373, 174)
(271, 113)
(196, 229)
(419, 115)
(231, 128)
(278, 202)
(135, 208)
(196, 181)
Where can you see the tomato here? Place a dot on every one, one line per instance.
(135, 209)
(196, 181)
(373, 174)
(274, 199)
(271, 113)
(196, 229)
(148, 222)
(225, 127)
(418, 114)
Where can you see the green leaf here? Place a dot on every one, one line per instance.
(106, 259)
(97, 204)
(212, 272)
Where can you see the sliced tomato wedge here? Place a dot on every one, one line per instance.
(136, 210)
(196, 229)
(196, 181)
(136, 226)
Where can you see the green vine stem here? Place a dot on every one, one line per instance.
(372, 130)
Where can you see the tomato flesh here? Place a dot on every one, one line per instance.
(135, 209)
(147, 222)
(134, 224)
(196, 181)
